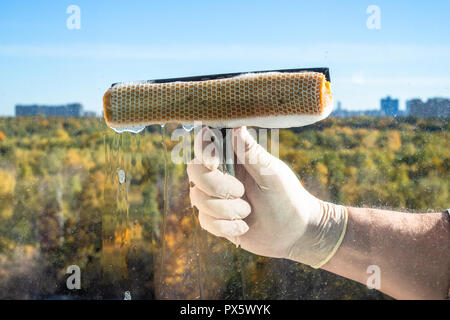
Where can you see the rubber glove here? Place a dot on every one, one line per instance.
(264, 209)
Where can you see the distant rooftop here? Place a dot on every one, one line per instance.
(68, 110)
(436, 107)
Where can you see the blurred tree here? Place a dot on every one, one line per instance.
(61, 203)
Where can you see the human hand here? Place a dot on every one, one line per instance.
(264, 209)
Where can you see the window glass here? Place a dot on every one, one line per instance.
(88, 213)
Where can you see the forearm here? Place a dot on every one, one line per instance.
(411, 250)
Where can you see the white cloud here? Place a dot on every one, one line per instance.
(330, 52)
(425, 81)
(358, 79)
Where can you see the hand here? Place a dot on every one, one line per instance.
(264, 209)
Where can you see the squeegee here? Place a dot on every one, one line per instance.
(270, 99)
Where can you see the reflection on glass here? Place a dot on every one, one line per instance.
(75, 193)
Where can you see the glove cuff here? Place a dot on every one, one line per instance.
(323, 237)
(335, 220)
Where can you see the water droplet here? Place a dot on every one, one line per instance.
(162, 126)
(121, 175)
(188, 127)
(132, 129)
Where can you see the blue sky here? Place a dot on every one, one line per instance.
(42, 61)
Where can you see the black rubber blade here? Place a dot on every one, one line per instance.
(324, 71)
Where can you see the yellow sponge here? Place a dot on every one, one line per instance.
(269, 99)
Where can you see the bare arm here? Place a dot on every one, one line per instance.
(411, 250)
(267, 211)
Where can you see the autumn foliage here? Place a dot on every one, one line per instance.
(62, 203)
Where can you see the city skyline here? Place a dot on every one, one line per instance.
(73, 109)
(437, 107)
(414, 106)
(44, 61)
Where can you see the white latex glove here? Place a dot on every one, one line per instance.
(264, 209)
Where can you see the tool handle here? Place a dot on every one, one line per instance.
(227, 151)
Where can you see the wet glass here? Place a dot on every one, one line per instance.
(75, 193)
